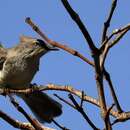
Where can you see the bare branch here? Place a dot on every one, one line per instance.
(104, 55)
(122, 118)
(51, 87)
(106, 47)
(43, 35)
(80, 109)
(82, 99)
(81, 26)
(61, 127)
(107, 23)
(16, 123)
(108, 79)
(115, 32)
(95, 53)
(65, 101)
(69, 89)
(101, 95)
(118, 38)
(56, 44)
(108, 112)
(34, 122)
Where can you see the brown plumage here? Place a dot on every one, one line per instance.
(18, 66)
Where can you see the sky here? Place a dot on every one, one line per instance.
(62, 68)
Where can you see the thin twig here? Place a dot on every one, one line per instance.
(119, 120)
(116, 40)
(115, 32)
(110, 45)
(108, 79)
(65, 101)
(57, 124)
(107, 23)
(33, 121)
(80, 109)
(76, 106)
(16, 123)
(82, 99)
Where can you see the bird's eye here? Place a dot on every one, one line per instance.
(36, 43)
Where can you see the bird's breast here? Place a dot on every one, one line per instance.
(18, 74)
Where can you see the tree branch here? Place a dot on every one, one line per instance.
(81, 26)
(16, 123)
(56, 44)
(81, 110)
(115, 32)
(100, 88)
(71, 51)
(108, 79)
(69, 89)
(95, 53)
(33, 121)
(65, 101)
(105, 49)
(107, 23)
(118, 38)
(61, 127)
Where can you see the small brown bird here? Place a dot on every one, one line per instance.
(18, 65)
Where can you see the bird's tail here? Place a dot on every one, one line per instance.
(44, 107)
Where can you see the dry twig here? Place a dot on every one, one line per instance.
(33, 121)
(81, 110)
(107, 23)
(16, 123)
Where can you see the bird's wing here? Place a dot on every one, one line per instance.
(3, 54)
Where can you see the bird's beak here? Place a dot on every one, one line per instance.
(53, 49)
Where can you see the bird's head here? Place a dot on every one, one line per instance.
(35, 47)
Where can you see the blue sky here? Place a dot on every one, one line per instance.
(62, 68)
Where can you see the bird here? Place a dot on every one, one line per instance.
(18, 66)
